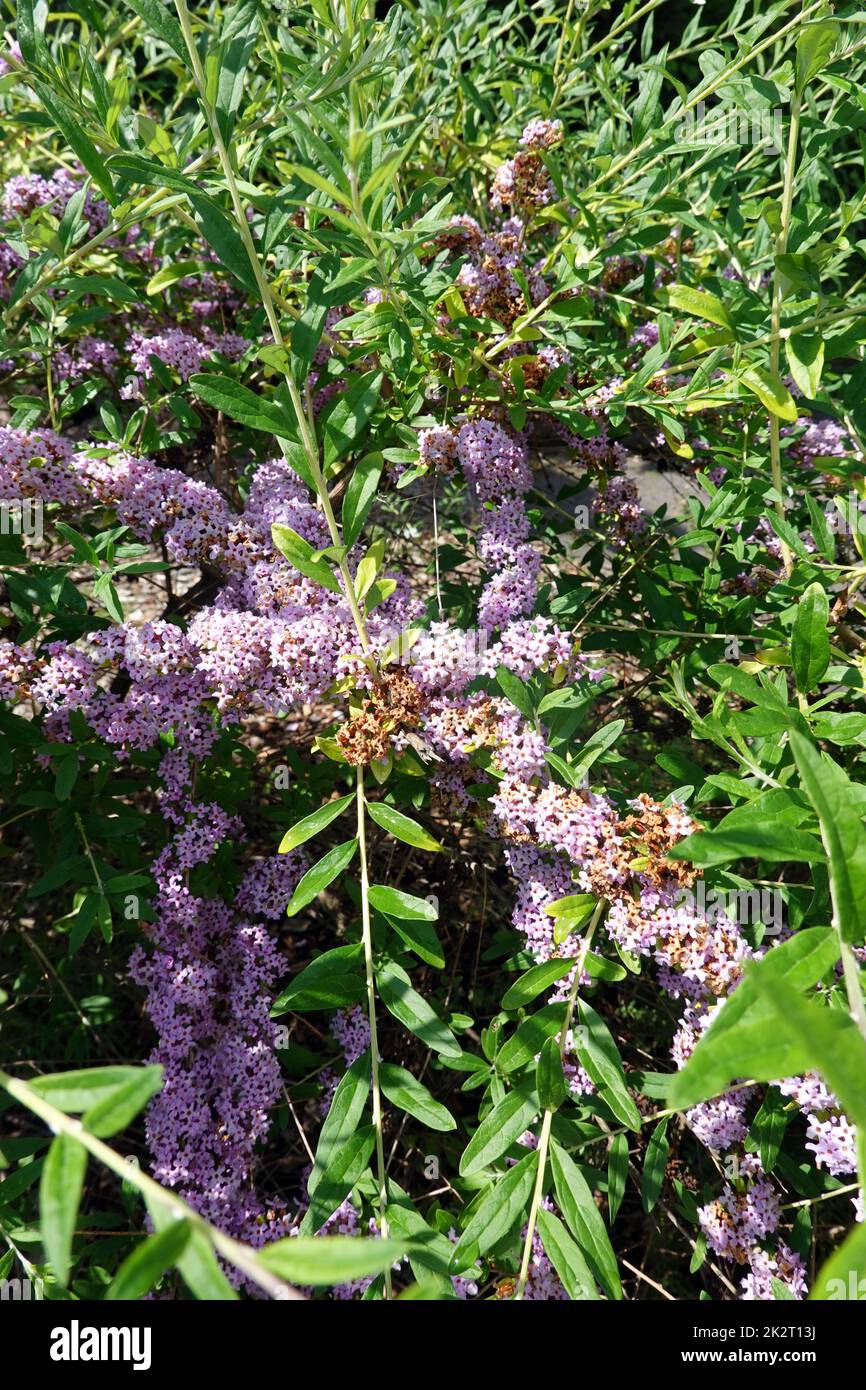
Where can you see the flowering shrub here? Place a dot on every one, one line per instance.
(431, 677)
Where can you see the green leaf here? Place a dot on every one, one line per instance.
(842, 832)
(537, 979)
(524, 1045)
(595, 745)
(743, 1038)
(120, 1106)
(600, 968)
(346, 1164)
(240, 404)
(755, 1049)
(421, 938)
(843, 1275)
(403, 905)
(141, 1270)
(646, 108)
(549, 1079)
(655, 1163)
(300, 553)
(828, 1039)
(815, 43)
(402, 1089)
(345, 423)
(699, 303)
(498, 1131)
(577, 1204)
(331, 981)
(30, 17)
(138, 169)
(413, 1012)
(237, 42)
(403, 827)
(343, 1117)
(566, 1257)
(197, 1263)
(305, 829)
(318, 878)
(617, 1173)
(59, 1195)
(499, 1212)
(777, 843)
(515, 690)
(320, 1260)
(805, 354)
(569, 913)
(810, 639)
(76, 1091)
(771, 392)
(768, 1127)
(599, 1055)
(360, 495)
(71, 128)
(429, 1251)
(220, 232)
(160, 20)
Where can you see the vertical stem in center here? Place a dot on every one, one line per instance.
(544, 1138)
(371, 1014)
(543, 1142)
(780, 247)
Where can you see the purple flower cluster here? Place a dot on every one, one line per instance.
(208, 974)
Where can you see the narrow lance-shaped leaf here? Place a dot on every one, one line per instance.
(654, 1166)
(403, 905)
(810, 639)
(360, 495)
(413, 1012)
(59, 1195)
(343, 1117)
(331, 981)
(536, 979)
(828, 789)
(577, 1204)
(305, 829)
(346, 1165)
(407, 1093)
(141, 1271)
(300, 553)
(498, 1131)
(329, 1259)
(120, 1106)
(566, 1257)
(317, 879)
(501, 1210)
(401, 826)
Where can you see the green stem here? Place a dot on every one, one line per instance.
(781, 246)
(310, 446)
(543, 1144)
(371, 1015)
(544, 1138)
(241, 1256)
(307, 436)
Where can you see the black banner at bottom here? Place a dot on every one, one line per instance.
(155, 1337)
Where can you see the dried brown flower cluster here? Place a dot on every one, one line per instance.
(523, 182)
(393, 706)
(657, 829)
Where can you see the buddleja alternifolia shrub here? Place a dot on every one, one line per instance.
(433, 660)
